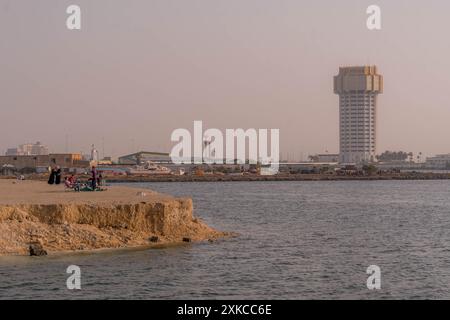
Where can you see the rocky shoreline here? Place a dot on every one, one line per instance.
(279, 177)
(35, 217)
(256, 177)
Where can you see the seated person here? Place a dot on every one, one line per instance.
(72, 179)
(100, 180)
(67, 183)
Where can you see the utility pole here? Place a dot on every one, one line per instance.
(67, 143)
(103, 147)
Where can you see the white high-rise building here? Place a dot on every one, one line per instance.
(358, 88)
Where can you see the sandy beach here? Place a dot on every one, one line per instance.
(14, 192)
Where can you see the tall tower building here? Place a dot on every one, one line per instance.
(358, 88)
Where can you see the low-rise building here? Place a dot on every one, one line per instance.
(328, 157)
(141, 157)
(28, 149)
(63, 160)
(440, 161)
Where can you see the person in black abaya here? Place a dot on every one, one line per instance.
(58, 175)
(51, 179)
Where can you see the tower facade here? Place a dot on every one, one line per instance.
(358, 88)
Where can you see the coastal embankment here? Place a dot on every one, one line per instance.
(256, 177)
(278, 177)
(35, 213)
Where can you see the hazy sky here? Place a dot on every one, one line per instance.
(140, 69)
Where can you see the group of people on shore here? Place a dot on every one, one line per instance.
(71, 182)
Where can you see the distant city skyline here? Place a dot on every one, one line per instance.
(137, 71)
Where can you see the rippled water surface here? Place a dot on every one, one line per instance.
(298, 240)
